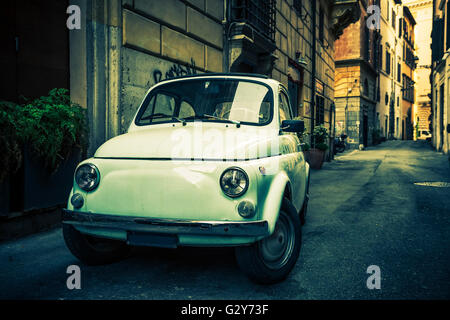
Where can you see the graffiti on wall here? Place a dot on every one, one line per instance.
(176, 70)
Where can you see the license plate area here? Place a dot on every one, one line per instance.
(160, 240)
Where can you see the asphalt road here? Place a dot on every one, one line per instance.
(364, 210)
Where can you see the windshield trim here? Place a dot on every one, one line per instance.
(160, 88)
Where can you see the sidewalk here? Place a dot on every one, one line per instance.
(346, 153)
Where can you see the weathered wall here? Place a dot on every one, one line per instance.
(166, 39)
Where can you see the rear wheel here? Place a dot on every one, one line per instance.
(270, 260)
(92, 250)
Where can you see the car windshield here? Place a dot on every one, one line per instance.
(217, 100)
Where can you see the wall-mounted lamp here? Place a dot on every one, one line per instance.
(300, 60)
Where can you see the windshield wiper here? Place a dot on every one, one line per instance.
(206, 116)
(163, 115)
(236, 122)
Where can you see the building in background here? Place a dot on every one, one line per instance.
(407, 75)
(389, 111)
(356, 80)
(440, 80)
(422, 11)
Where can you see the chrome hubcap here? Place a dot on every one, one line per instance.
(276, 249)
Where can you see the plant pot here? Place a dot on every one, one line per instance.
(43, 189)
(4, 197)
(316, 157)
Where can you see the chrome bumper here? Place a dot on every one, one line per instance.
(168, 226)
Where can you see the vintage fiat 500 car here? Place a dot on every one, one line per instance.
(208, 160)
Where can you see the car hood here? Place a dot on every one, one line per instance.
(194, 141)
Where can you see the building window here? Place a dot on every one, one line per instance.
(320, 110)
(387, 11)
(366, 44)
(298, 6)
(321, 25)
(408, 89)
(394, 19)
(400, 27)
(388, 62)
(399, 72)
(396, 125)
(260, 14)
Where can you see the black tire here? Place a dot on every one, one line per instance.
(304, 210)
(340, 148)
(259, 261)
(92, 250)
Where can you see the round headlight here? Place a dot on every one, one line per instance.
(87, 177)
(234, 182)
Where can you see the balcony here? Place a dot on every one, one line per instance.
(259, 14)
(344, 13)
(252, 35)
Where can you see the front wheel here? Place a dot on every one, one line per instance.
(270, 260)
(93, 250)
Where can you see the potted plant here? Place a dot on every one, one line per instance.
(319, 143)
(47, 137)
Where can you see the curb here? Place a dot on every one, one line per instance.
(22, 224)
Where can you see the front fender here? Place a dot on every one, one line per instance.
(274, 198)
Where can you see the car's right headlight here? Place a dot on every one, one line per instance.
(87, 176)
(234, 182)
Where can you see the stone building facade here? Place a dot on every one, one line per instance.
(440, 75)
(389, 109)
(357, 83)
(375, 78)
(124, 47)
(422, 10)
(409, 61)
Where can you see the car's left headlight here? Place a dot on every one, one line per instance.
(234, 182)
(87, 176)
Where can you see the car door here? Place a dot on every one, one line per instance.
(293, 161)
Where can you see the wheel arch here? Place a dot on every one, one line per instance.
(279, 188)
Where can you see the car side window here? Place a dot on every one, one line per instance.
(284, 111)
(163, 104)
(186, 110)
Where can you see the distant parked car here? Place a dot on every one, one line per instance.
(208, 160)
(424, 135)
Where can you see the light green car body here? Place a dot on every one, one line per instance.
(140, 176)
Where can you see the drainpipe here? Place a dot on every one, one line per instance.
(226, 45)
(313, 70)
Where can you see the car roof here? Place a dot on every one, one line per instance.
(229, 75)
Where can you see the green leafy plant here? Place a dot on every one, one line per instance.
(9, 142)
(302, 136)
(51, 126)
(305, 146)
(320, 138)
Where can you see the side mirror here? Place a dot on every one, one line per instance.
(293, 125)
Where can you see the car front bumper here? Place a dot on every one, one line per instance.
(145, 231)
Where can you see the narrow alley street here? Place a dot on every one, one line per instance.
(365, 209)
